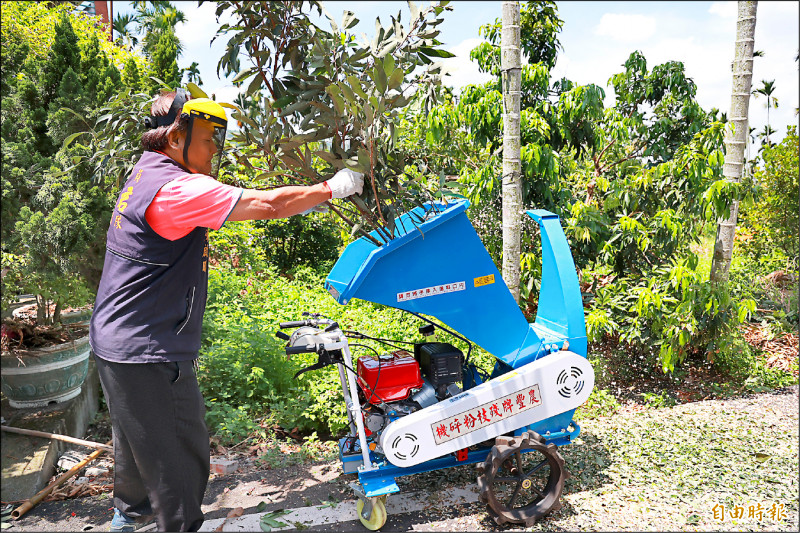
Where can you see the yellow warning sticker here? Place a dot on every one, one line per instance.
(484, 280)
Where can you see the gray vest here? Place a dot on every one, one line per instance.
(152, 294)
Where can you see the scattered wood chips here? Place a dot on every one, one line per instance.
(79, 487)
(779, 352)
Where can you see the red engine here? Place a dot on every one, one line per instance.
(389, 377)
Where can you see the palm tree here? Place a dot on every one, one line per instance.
(155, 20)
(736, 140)
(715, 115)
(122, 25)
(766, 89)
(193, 73)
(764, 135)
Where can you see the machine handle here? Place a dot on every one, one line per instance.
(281, 335)
(310, 348)
(296, 324)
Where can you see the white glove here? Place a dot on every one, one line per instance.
(345, 183)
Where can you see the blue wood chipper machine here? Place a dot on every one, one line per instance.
(430, 407)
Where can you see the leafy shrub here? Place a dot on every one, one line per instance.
(673, 311)
(234, 247)
(311, 240)
(244, 371)
(773, 221)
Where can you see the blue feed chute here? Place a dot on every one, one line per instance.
(437, 265)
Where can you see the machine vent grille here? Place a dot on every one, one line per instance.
(411, 447)
(570, 382)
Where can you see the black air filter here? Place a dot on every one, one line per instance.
(440, 362)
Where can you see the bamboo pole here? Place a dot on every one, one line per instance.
(42, 494)
(56, 436)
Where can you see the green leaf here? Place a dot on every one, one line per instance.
(349, 20)
(295, 107)
(272, 174)
(268, 521)
(363, 157)
(72, 137)
(329, 158)
(243, 75)
(254, 86)
(359, 203)
(355, 84)
(336, 96)
(347, 91)
(380, 78)
(388, 65)
(261, 506)
(243, 118)
(397, 78)
(283, 101)
(196, 91)
(435, 52)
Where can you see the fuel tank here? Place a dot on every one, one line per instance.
(389, 377)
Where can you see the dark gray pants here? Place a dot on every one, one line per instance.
(161, 448)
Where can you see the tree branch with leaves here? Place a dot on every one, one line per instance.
(329, 102)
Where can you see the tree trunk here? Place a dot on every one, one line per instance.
(736, 140)
(511, 65)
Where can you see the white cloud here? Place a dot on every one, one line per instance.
(463, 71)
(626, 28)
(723, 9)
(200, 26)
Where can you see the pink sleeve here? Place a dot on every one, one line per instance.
(188, 202)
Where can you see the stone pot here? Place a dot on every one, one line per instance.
(46, 375)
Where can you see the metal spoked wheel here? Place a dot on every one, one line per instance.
(522, 487)
(378, 517)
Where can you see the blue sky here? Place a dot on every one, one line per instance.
(597, 38)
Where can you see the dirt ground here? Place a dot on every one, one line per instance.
(614, 485)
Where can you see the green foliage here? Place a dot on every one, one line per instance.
(539, 27)
(657, 400)
(658, 107)
(773, 221)
(634, 185)
(300, 240)
(671, 313)
(13, 268)
(165, 58)
(53, 215)
(331, 103)
(234, 247)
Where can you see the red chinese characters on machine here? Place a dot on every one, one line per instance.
(389, 379)
(486, 414)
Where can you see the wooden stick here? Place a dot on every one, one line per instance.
(56, 436)
(31, 503)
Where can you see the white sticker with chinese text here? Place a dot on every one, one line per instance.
(444, 288)
(486, 414)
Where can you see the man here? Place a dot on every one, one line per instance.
(146, 325)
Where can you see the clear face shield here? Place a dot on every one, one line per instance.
(204, 149)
